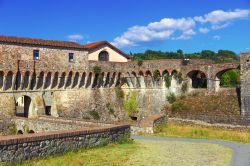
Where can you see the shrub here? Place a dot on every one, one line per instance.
(95, 114)
(119, 92)
(167, 79)
(184, 87)
(171, 98)
(140, 62)
(130, 104)
(178, 106)
(97, 70)
(156, 75)
(110, 109)
(178, 77)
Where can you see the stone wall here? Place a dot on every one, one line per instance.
(23, 147)
(245, 83)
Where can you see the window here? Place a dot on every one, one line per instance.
(71, 57)
(103, 56)
(36, 55)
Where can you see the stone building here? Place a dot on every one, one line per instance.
(58, 78)
(245, 83)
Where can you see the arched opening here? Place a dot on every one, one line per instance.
(89, 80)
(112, 80)
(76, 78)
(26, 80)
(55, 81)
(106, 83)
(1, 79)
(40, 80)
(119, 80)
(148, 79)
(18, 80)
(47, 81)
(62, 80)
(9, 79)
(134, 79)
(19, 132)
(141, 79)
(167, 79)
(69, 80)
(33, 81)
(103, 56)
(198, 79)
(228, 78)
(83, 80)
(23, 106)
(31, 132)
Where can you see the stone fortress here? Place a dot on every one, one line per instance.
(51, 86)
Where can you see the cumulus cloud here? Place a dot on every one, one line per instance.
(180, 28)
(75, 37)
(203, 30)
(216, 37)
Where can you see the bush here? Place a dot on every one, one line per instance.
(140, 62)
(130, 104)
(178, 106)
(178, 77)
(167, 79)
(119, 92)
(97, 70)
(95, 114)
(156, 75)
(184, 87)
(171, 98)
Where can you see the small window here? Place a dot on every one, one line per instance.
(36, 55)
(104, 56)
(71, 57)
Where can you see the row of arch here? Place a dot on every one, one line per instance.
(76, 80)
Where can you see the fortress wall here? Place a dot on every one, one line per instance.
(245, 83)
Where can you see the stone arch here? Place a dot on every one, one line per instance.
(107, 81)
(89, 80)
(9, 79)
(83, 80)
(119, 80)
(174, 72)
(26, 80)
(141, 79)
(1, 79)
(165, 72)
(100, 80)
(24, 106)
(134, 79)
(55, 80)
(218, 76)
(40, 80)
(18, 80)
(148, 79)
(33, 81)
(19, 132)
(62, 80)
(48, 80)
(103, 56)
(75, 80)
(31, 132)
(69, 80)
(197, 79)
(112, 80)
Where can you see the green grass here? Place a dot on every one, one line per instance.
(167, 153)
(172, 129)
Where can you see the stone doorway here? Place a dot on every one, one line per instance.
(23, 106)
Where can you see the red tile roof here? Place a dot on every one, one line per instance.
(40, 42)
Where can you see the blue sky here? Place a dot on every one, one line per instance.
(190, 25)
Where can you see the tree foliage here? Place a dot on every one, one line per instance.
(230, 78)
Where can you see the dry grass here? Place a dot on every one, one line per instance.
(195, 131)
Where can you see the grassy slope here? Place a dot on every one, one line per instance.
(143, 153)
(195, 131)
(214, 105)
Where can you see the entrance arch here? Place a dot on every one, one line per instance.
(24, 106)
(197, 79)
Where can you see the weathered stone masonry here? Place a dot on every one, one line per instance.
(23, 147)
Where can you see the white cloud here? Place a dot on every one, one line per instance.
(216, 37)
(180, 28)
(204, 30)
(218, 16)
(248, 48)
(75, 37)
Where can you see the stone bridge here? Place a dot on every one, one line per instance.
(29, 76)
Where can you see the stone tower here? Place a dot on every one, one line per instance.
(245, 83)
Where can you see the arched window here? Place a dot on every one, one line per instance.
(103, 56)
